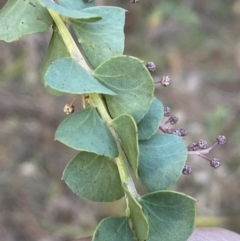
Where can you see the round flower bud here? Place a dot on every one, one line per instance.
(176, 132)
(173, 119)
(215, 162)
(167, 111)
(187, 170)
(165, 81)
(193, 147)
(202, 144)
(221, 140)
(183, 132)
(68, 109)
(151, 66)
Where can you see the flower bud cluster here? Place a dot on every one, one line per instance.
(165, 80)
(172, 120)
(200, 148)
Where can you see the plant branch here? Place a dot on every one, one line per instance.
(96, 100)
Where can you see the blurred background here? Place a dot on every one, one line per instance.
(195, 42)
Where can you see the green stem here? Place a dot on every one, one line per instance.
(125, 176)
(68, 40)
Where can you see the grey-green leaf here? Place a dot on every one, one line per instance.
(170, 215)
(76, 4)
(139, 221)
(67, 76)
(161, 161)
(127, 131)
(103, 39)
(19, 18)
(151, 121)
(85, 131)
(56, 50)
(69, 13)
(130, 79)
(113, 229)
(94, 177)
